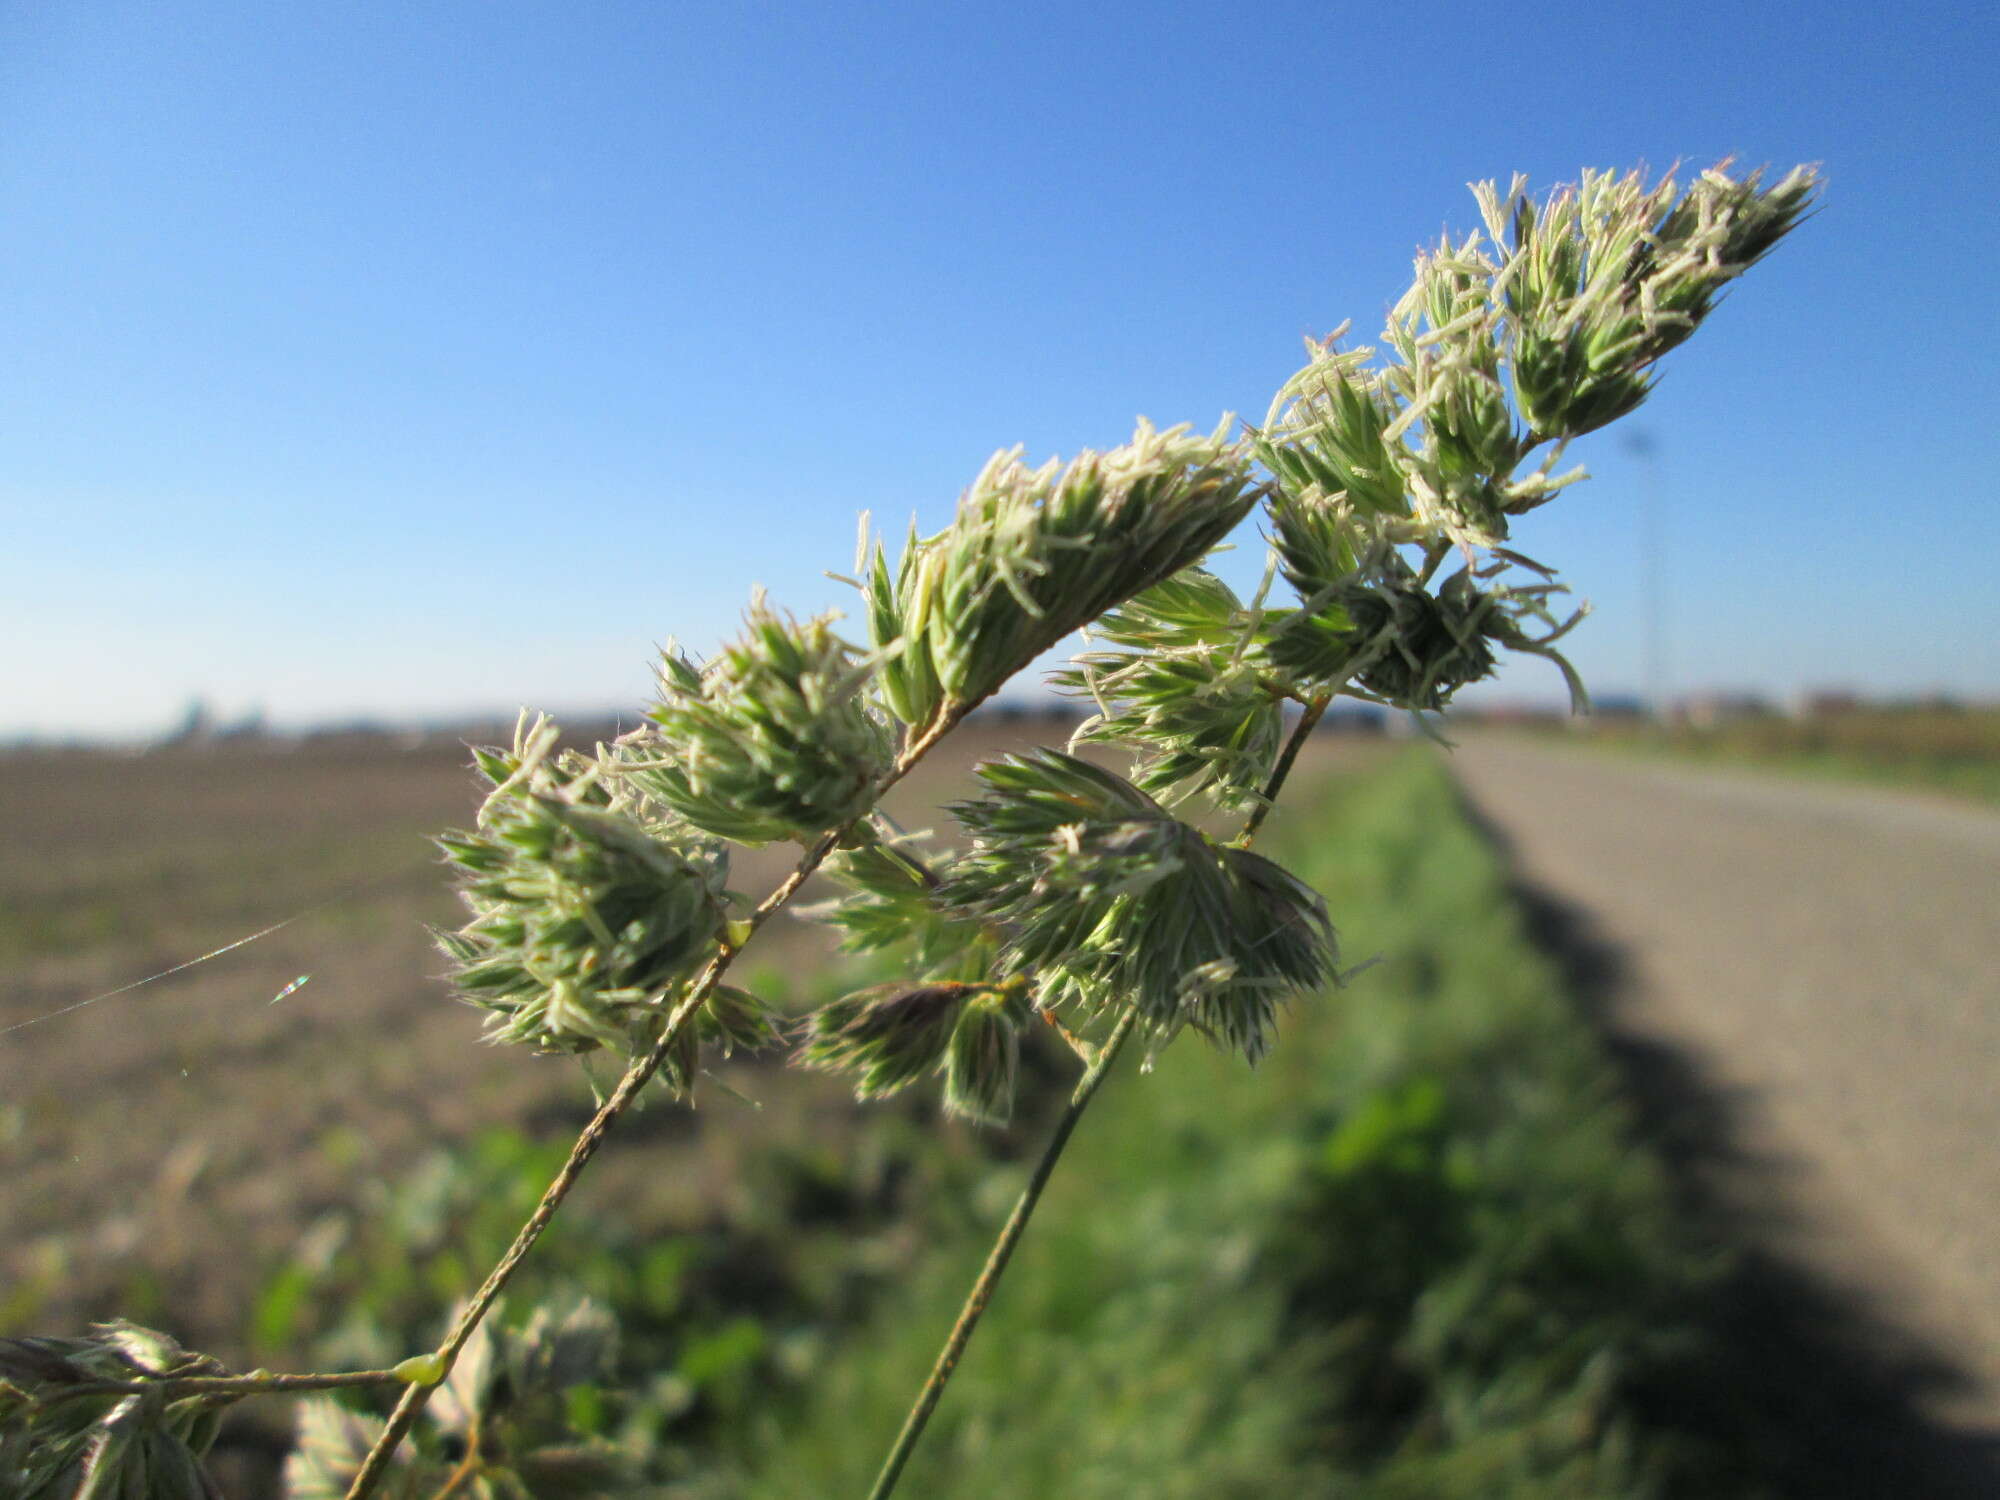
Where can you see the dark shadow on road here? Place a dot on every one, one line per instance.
(1815, 1387)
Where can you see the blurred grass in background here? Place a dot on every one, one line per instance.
(1415, 1254)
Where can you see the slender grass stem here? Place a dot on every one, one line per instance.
(231, 1387)
(997, 1258)
(1434, 554)
(1301, 731)
(636, 1078)
(1093, 1078)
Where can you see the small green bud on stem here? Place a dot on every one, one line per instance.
(421, 1369)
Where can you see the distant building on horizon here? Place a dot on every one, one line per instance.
(1710, 709)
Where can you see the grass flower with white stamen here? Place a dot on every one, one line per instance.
(1328, 435)
(584, 919)
(1182, 678)
(1109, 901)
(1603, 279)
(1035, 553)
(773, 739)
(1566, 308)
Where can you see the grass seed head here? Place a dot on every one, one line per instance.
(1602, 279)
(113, 1444)
(773, 739)
(984, 1060)
(890, 906)
(1548, 327)
(1108, 900)
(888, 1036)
(585, 918)
(731, 1018)
(1180, 677)
(1034, 553)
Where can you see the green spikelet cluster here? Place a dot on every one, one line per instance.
(1035, 553)
(891, 907)
(105, 1447)
(983, 1062)
(889, 1036)
(585, 919)
(498, 1402)
(1108, 900)
(1547, 328)
(1179, 675)
(773, 739)
(1603, 279)
(1412, 647)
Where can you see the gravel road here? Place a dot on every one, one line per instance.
(1826, 959)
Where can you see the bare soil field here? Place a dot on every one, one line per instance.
(159, 1147)
(1812, 972)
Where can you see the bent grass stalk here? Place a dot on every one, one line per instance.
(636, 1077)
(996, 1260)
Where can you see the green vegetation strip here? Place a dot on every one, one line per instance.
(1419, 1256)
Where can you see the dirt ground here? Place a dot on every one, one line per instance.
(159, 1148)
(1807, 978)
(164, 1143)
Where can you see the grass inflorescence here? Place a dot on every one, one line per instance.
(596, 884)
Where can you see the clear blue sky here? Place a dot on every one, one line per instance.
(409, 358)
